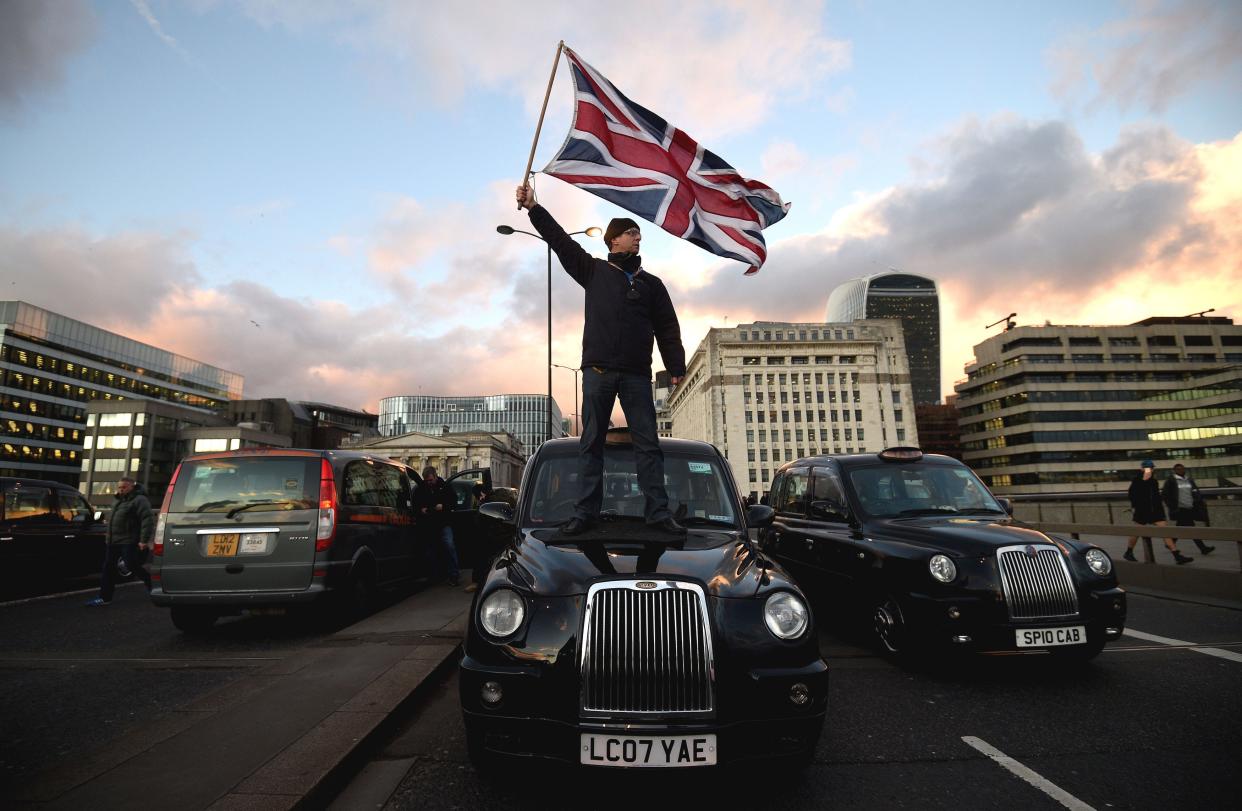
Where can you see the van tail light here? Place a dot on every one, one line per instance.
(162, 522)
(327, 508)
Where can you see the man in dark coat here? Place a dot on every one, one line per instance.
(626, 310)
(131, 531)
(1185, 502)
(433, 503)
(1149, 509)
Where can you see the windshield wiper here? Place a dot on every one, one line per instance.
(700, 521)
(930, 511)
(250, 504)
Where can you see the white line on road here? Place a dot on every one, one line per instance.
(1029, 775)
(1164, 640)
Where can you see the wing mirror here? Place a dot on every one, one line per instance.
(830, 510)
(1006, 504)
(759, 516)
(497, 511)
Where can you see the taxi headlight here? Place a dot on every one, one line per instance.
(502, 612)
(942, 568)
(1099, 561)
(786, 615)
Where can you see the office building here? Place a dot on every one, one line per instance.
(52, 366)
(768, 393)
(939, 431)
(523, 415)
(911, 299)
(1052, 409)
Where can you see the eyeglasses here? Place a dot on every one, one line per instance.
(633, 232)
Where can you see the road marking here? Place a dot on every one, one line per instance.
(91, 590)
(1164, 640)
(1029, 775)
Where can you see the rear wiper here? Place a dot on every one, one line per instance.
(930, 511)
(250, 504)
(208, 505)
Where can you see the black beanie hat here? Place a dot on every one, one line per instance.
(616, 228)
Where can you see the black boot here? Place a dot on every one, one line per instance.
(1180, 558)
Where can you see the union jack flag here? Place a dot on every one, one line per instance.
(628, 155)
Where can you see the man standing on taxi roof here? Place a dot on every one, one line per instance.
(626, 309)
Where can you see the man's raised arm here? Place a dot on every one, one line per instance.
(576, 261)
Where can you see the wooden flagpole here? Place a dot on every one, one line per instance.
(538, 127)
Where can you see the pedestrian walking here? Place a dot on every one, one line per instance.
(627, 309)
(131, 531)
(433, 503)
(1185, 502)
(1148, 509)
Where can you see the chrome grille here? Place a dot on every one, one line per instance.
(646, 650)
(1036, 585)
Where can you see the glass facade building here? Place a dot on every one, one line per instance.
(523, 415)
(915, 302)
(51, 366)
(1056, 409)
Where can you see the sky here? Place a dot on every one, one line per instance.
(307, 191)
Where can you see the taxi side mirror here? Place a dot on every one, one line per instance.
(497, 511)
(1006, 505)
(759, 516)
(830, 510)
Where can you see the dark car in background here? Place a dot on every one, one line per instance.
(917, 547)
(48, 532)
(629, 647)
(271, 528)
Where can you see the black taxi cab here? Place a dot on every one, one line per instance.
(624, 646)
(917, 548)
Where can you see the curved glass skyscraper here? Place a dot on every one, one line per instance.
(911, 299)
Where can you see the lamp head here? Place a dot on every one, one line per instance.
(504, 229)
(593, 231)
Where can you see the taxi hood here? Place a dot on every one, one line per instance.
(551, 564)
(966, 535)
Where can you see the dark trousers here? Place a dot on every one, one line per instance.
(600, 391)
(134, 558)
(1186, 518)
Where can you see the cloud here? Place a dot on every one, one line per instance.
(1012, 214)
(37, 40)
(1151, 57)
(710, 47)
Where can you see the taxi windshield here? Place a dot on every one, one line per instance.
(698, 490)
(892, 491)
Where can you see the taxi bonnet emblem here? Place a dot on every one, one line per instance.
(645, 584)
(1030, 551)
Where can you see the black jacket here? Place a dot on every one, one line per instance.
(429, 496)
(1145, 500)
(132, 520)
(619, 331)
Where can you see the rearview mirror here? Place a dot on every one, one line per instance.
(759, 516)
(98, 514)
(497, 511)
(830, 510)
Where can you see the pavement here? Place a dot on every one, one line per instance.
(284, 737)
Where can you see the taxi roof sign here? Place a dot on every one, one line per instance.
(901, 454)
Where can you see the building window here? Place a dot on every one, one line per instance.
(896, 396)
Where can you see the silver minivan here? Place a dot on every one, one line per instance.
(264, 528)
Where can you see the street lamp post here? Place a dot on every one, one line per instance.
(577, 431)
(593, 231)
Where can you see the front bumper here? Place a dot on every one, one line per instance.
(983, 623)
(755, 719)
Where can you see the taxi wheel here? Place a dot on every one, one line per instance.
(360, 593)
(889, 626)
(192, 619)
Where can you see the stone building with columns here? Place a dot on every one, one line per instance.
(500, 452)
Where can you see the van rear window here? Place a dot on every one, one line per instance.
(223, 485)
